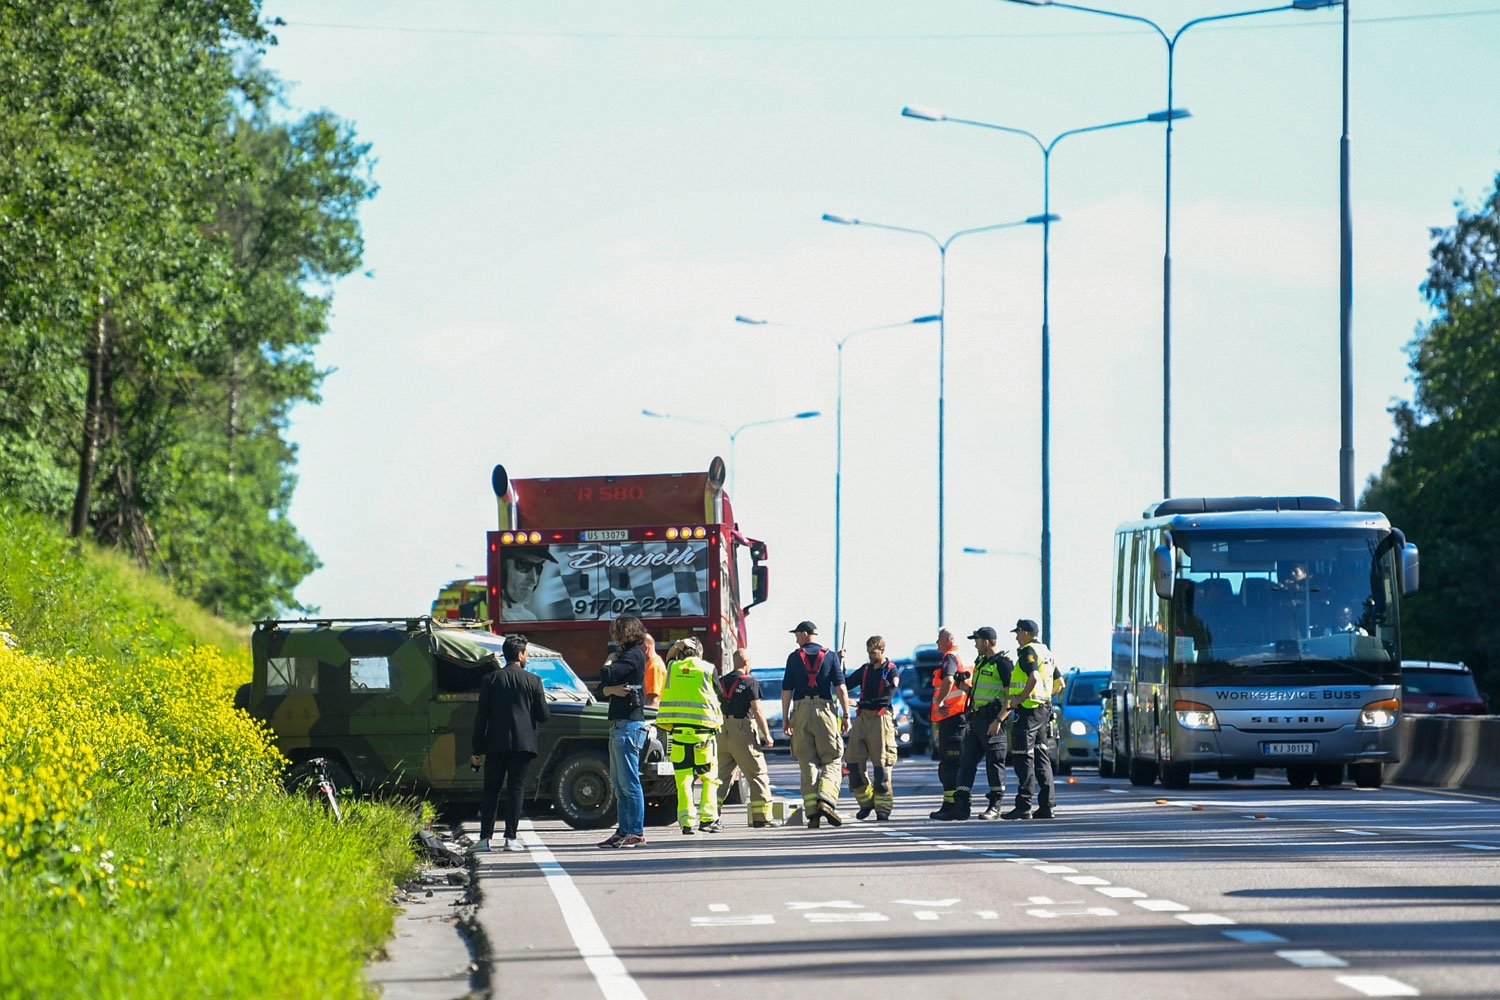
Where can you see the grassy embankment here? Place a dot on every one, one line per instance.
(146, 849)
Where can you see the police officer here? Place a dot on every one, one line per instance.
(814, 678)
(984, 734)
(690, 710)
(1030, 702)
(950, 696)
(873, 736)
(745, 732)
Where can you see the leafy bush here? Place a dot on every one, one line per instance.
(147, 847)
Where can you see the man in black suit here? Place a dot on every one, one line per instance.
(511, 705)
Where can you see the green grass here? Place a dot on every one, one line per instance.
(146, 849)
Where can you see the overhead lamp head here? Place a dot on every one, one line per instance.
(1170, 115)
(1037, 220)
(935, 318)
(1315, 4)
(925, 114)
(1034, 3)
(807, 413)
(843, 220)
(751, 320)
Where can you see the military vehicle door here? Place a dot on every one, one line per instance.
(456, 675)
(381, 690)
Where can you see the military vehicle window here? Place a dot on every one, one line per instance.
(458, 678)
(285, 674)
(369, 673)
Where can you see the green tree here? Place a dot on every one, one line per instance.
(1443, 472)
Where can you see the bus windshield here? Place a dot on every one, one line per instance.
(1291, 602)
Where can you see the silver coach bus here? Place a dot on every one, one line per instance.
(1256, 632)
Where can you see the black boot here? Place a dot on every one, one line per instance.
(945, 811)
(960, 806)
(993, 812)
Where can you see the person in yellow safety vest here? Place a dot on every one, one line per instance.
(1032, 682)
(690, 711)
(984, 737)
(814, 679)
(873, 735)
(745, 732)
(950, 698)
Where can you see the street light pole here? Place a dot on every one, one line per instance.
(1346, 301)
(733, 434)
(838, 468)
(942, 248)
(1166, 266)
(1046, 219)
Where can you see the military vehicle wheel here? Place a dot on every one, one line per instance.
(1367, 775)
(1106, 768)
(581, 791)
(1246, 773)
(1300, 776)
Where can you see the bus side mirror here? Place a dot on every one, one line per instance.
(1164, 570)
(760, 585)
(1410, 569)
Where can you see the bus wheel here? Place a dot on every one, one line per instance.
(1367, 775)
(1246, 773)
(1142, 772)
(1228, 773)
(1300, 776)
(1176, 775)
(1331, 775)
(1106, 768)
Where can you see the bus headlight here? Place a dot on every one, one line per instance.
(1191, 715)
(1080, 727)
(1379, 714)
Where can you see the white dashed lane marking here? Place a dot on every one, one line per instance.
(1311, 958)
(1086, 880)
(1056, 869)
(1358, 833)
(1120, 892)
(866, 917)
(735, 920)
(1159, 905)
(718, 907)
(1379, 986)
(1204, 919)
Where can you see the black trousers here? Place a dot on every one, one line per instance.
(979, 745)
(949, 734)
(509, 768)
(1029, 745)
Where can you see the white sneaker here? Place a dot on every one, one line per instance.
(480, 847)
(514, 845)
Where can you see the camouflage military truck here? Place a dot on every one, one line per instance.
(390, 703)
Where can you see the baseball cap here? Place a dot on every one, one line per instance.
(984, 632)
(806, 626)
(1027, 625)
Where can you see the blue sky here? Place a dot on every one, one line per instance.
(577, 198)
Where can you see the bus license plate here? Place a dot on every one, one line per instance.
(1276, 749)
(605, 535)
(664, 767)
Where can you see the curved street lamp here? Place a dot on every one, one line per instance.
(838, 472)
(942, 248)
(1046, 219)
(735, 433)
(1166, 266)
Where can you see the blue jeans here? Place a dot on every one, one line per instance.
(626, 741)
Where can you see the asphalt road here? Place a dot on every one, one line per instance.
(1227, 889)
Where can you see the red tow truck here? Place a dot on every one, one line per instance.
(573, 553)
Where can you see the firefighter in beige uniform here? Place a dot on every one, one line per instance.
(873, 736)
(745, 732)
(815, 679)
